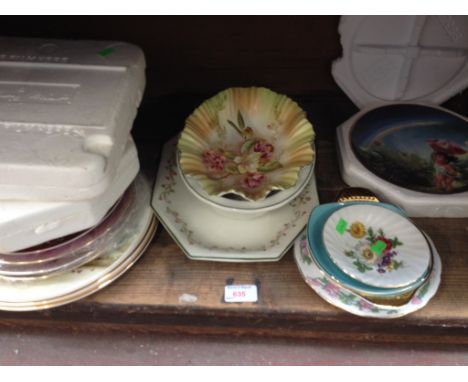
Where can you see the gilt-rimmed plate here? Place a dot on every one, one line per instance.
(72, 251)
(72, 285)
(81, 282)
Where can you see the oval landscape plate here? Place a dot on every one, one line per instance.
(417, 147)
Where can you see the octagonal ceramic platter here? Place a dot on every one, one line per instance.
(413, 155)
(206, 234)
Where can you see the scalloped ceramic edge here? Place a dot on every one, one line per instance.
(351, 302)
(246, 141)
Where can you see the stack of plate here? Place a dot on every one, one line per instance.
(238, 185)
(368, 258)
(118, 241)
(68, 164)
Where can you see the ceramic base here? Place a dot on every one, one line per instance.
(204, 234)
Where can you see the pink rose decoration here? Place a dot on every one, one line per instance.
(253, 180)
(265, 148)
(214, 160)
(332, 290)
(314, 282)
(364, 305)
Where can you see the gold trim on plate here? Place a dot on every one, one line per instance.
(95, 286)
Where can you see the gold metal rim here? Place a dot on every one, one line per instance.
(379, 301)
(356, 194)
(95, 286)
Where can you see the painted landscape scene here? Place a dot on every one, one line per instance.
(415, 147)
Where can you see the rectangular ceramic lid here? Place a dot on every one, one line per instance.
(66, 108)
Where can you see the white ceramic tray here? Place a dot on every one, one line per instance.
(66, 108)
(26, 224)
(206, 234)
(353, 303)
(402, 58)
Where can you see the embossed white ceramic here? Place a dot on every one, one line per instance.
(66, 109)
(27, 224)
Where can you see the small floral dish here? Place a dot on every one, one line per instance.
(246, 141)
(241, 208)
(315, 226)
(376, 246)
(349, 301)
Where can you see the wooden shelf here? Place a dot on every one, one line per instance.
(148, 296)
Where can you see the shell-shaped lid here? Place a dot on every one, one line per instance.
(376, 246)
(315, 239)
(402, 58)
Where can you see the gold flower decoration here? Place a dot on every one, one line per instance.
(368, 255)
(357, 230)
